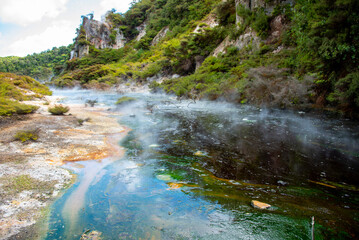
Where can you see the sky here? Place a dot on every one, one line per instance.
(33, 26)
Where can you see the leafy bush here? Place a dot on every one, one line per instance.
(125, 100)
(81, 121)
(58, 110)
(92, 73)
(226, 12)
(90, 102)
(347, 91)
(261, 23)
(29, 135)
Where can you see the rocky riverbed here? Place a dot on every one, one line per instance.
(30, 174)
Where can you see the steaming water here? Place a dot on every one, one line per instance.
(192, 169)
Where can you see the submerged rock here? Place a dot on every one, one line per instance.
(165, 178)
(199, 154)
(93, 235)
(260, 205)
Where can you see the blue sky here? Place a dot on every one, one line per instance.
(28, 26)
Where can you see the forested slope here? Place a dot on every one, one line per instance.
(40, 66)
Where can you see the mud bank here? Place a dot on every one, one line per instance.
(31, 177)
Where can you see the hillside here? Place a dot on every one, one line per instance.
(273, 53)
(14, 89)
(41, 66)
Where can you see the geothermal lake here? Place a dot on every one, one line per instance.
(191, 170)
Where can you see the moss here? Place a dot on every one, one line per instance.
(125, 100)
(23, 182)
(16, 184)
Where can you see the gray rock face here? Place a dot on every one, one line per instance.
(142, 31)
(160, 35)
(98, 34)
(249, 37)
(252, 4)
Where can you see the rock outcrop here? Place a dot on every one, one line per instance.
(98, 34)
(248, 39)
(142, 31)
(160, 36)
(209, 22)
(268, 6)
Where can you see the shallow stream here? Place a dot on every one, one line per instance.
(191, 170)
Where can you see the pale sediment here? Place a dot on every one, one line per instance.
(30, 176)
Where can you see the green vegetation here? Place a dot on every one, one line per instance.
(23, 182)
(16, 184)
(38, 65)
(9, 107)
(313, 59)
(58, 110)
(14, 88)
(91, 103)
(29, 135)
(125, 100)
(81, 121)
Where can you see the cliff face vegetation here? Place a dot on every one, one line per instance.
(274, 52)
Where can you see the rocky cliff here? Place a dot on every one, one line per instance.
(99, 34)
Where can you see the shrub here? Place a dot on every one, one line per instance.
(58, 110)
(9, 107)
(91, 103)
(81, 121)
(347, 91)
(29, 135)
(261, 24)
(124, 100)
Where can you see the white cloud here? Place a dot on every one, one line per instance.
(119, 5)
(61, 33)
(24, 12)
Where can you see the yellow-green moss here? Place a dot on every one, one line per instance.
(124, 100)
